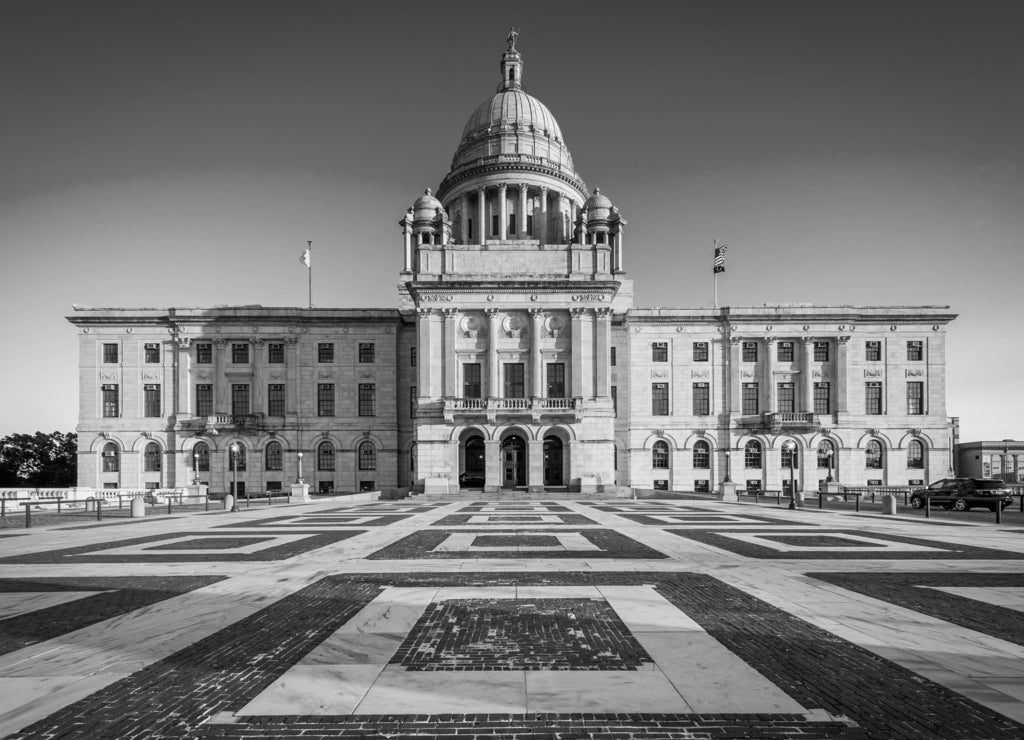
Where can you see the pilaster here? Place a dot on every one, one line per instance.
(535, 465)
(536, 367)
(451, 317)
(521, 219)
(503, 212)
(493, 387)
(808, 381)
(842, 371)
(183, 362)
(481, 216)
(769, 375)
(602, 351)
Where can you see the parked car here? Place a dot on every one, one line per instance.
(471, 480)
(964, 493)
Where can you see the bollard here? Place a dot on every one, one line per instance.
(3, 508)
(927, 507)
(856, 503)
(778, 497)
(206, 505)
(138, 507)
(999, 512)
(821, 498)
(888, 504)
(270, 498)
(28, 516)
(99, 509)
(168, 504)
(58, 506)
(755, 496)
(229, 502)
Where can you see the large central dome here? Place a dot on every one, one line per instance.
(511, 134)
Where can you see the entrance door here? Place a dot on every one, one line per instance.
(553, 461)
(513, 462)
(473, 471)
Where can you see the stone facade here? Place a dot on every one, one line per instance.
(515, 358)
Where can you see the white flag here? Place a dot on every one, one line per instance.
(304, 259)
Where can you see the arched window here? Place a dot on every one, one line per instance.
(915, 454)
(825, 453)
(203, 450)
(367, 456)
(752, 454)
(701, 455)
(151, 458)
(237, 457)
(790, 457)
(325, 456)
(659, 455)
(111, 458)
(873, 454)
(274, 456)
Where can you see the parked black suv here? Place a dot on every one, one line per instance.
(964, 493)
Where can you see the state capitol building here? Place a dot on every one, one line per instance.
(515, 359)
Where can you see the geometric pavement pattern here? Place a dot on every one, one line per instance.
(499, 618)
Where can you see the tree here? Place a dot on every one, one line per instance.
(45, 460)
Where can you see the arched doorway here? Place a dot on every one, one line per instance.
(474, 464)
(513, 462)
(553, 462)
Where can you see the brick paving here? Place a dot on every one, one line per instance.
(200, 690)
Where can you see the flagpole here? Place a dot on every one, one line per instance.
(714, 271)
(309, 269)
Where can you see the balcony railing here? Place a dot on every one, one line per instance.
(786, 419)
(224, 421)
(492, 408)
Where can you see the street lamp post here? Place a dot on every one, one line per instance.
(234, 476)
(790, 447)
(1002, 468)
(828, 456)
(728, 472)
(299, 456)
(195, 469)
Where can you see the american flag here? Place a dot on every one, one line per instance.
(720, 256)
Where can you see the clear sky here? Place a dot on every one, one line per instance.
(181, 154)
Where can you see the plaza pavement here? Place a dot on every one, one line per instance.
(514, 618)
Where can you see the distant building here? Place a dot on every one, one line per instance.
(515, 357)
(1003, 459)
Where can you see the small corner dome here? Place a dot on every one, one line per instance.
(597, 205)
(426, 206)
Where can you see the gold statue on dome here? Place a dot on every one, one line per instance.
(513, 34)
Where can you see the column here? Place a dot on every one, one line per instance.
(481, 216)
(493, 322)
(220, 386)
(429, 347)
(572, 219)
(451, 317)
(492, 465)
(582, 353)
(521, 221)
(292, 379)
(842, 354)
(619, 235)
(535, 465)
(464, 218)
(769, 374)
(536, 366)
(259, 390)
(734, 380)
(560, 228)
(407, 236)
(808, 379)
(182, 360)
(503, 212)
(543, 230)
(602, 351)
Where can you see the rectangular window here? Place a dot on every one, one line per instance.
(873, 351)
(325, 352)
(661, 485)
(204, 353)
(412, 402)
(915, 397)
(239, 399)
(325, 399)
(529, 225)
(471, 380)
(751, 399)
(785, 351)
(750, 351)
(110, 352)
(469, 227)
(412, 357)
(515, 386)
(151, 352)
(275, 399)
(367, 352)
(701, 399)
(275, 353)
(659, 351)
(873, 398)
(821, 351)
(204, 399)
(700, 351)
(915, 351)
(822, 398)
(786, 401)
(615, 400)
(511, 223)
(367, 399)
(495, 225)
(659, 399)
(111, 401)
(556, 380)
(151, 399)
(702, 486)
(613, 357)
(239, 353)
